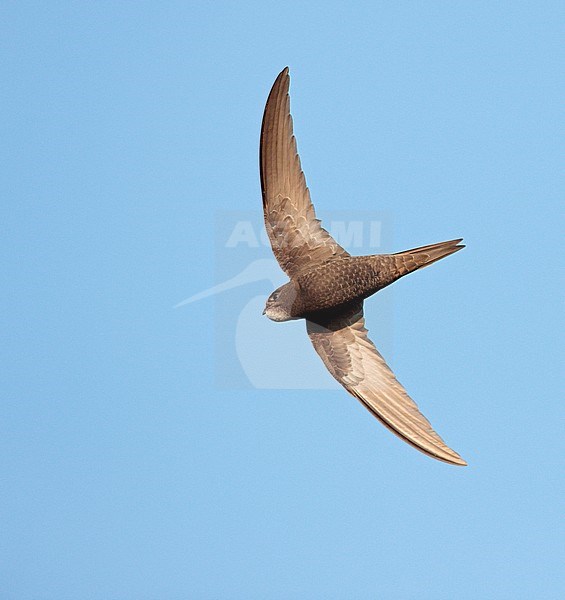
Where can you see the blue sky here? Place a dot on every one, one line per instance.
(138, 461)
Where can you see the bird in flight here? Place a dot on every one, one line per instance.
(328, 286)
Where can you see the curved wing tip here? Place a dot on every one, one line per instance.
(458, 462)
(282, 80)
(447, 455)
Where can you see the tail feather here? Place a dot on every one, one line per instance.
(423, 256)
(394, 266)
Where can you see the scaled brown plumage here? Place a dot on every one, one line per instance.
(327, 285)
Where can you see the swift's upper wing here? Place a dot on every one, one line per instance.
(342, 343)
(297, 238)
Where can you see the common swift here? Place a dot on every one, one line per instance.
(328, 286)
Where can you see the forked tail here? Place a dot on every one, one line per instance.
(394, 266)
(426, 255)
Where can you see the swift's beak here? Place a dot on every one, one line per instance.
(264, 310)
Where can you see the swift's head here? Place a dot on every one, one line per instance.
(279, 304)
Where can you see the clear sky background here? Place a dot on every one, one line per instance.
(129, 469)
